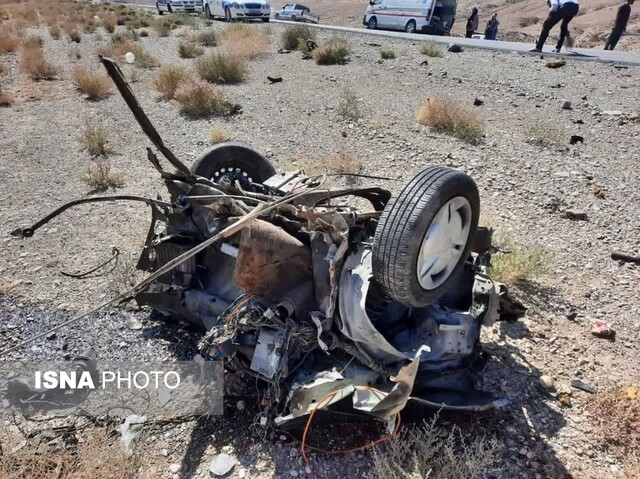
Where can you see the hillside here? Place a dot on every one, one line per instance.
(520, 19)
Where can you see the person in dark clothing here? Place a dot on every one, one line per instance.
(624, 11)
(559, 11)
(472, 23)
(491, 30)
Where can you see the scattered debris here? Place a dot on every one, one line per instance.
(576, 214)
(274, 79)
(129, 430)
(601, 329)
(547, 382)
(578, 384)
(453, 48)
(424, 63)
(576, 139)
(556, 63)
(578, 122)
(627, 258)
(478, 102)
(374, 44)
(565, 399)
(222, 464)
(283, 50)
(567, 105)
(571, 314)
(598, 192)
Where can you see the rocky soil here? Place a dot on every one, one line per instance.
(525, 188)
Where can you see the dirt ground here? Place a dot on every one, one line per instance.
(295, 123)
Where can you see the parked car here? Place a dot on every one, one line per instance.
(296, 13)
(182, 6)
(434, 17)
(237, 10)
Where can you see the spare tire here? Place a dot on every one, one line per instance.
(423, 237)
(232, 159)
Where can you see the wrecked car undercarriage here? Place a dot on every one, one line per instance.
(324, 305)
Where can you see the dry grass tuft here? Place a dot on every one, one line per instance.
(516, 263)
(95, 139)
(245, 41)
(431, 49)
(34, 64)
(420, 453)
(168, 79)
(162, 28)
(143, 58)
(5, 99)
(222, 68)
(3, 69)
(55, 31)
(343, 163)
(616, 416)
(335, 52)
(100, 176)
(542, 134)
(189, 50)
(33, 41)
(207, 38)
(201, 99)
(109, 21)
(292, 35)
(97, 87)
(218, 134)
(449, 117)
(8, 42)
(349, 105)
(75, 35)
(387, 54)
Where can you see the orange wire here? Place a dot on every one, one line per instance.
(329, 395)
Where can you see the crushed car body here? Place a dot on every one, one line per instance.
(365, 310)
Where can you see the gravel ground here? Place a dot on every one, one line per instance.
(295, 123)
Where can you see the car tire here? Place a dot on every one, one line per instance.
(227, 15)
(266, 20)
(424, 235)
(169, 9)
(410, 27)
(235, 157)
(277, 16)
(160, 12)
(372, 24)
(207, 12)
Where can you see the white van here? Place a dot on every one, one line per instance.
(435, 17)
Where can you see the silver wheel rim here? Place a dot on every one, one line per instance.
(444, 243)
(410, 28)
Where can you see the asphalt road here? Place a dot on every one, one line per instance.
(576, 53)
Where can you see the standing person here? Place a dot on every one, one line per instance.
(491, 30)
(624, 11)
(472, 23)
(559, 10)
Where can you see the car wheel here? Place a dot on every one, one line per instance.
(424, 235)
(277, 16)
(207, 12)
(160, 12)
(372, 24)
(227, 14)
(169, 9)
(410, 27)
(266, 20)
(234, 161)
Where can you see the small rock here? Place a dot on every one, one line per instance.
(222, 464)
(566, 105)
(174, 468)
(576, 139)
(274, 79)
(478, 102)
(51, 336)
(134, 324)
(576, 214)
(241, 405)
(547, 382)
(523, 451)
(453, 48)
(293, 473)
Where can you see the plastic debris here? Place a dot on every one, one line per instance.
(129, 57)
(222, 464)
(129, 430)
(601, 329)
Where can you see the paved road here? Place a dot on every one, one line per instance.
(576, 53)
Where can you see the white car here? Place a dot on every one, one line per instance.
(434, 17)
(296, 13)
(237, 10)
(178, 6)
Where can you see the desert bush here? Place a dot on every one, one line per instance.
(162, 27)
(55, 31)
(419, 452)
(527, 21)
(349, 105)
(291, 36)
(541, 133)
(75, 36)
(33, 41)
(183, 32)
(207, 38)
(516, 263)
(387, 54)
(201, 99)
(168, 79)
(144, 33)
(431, 49)
(221, 67)
(3, 69)
(189, 50)
(34, 64)
(95, 139)
(5, 99)
(95, 86)
(343, 163)
(100, 176)
(143, 58)
(8, 42)
(218, 134)
(334, 52)
(109, 20)
(245, 41)
(449, 117)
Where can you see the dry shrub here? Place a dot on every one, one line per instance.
(162, 28)
(95, 139)
(8, 42)
(527, 21)
(5, 99)
(541, 133)
(28, 462)
(33, 41)
(343, 163)
(349, 105)
(189, 50)
(143, 59)
(221, 67)
(109, 20)
(431, 49)
(95, 86)
(144, 33)
(3, 69)
(201, 99)
(218, 134)
(292, 36)
(183, 32)
(334, 52)
(449, 117)
(515, 263)
(55, 31)
(387, 54)
(207, 38)
(100, 176)
(246, 41)
(420, 453)
(168, 79)
(616, 417)
(34, 64)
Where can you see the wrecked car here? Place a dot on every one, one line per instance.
(369, 309)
